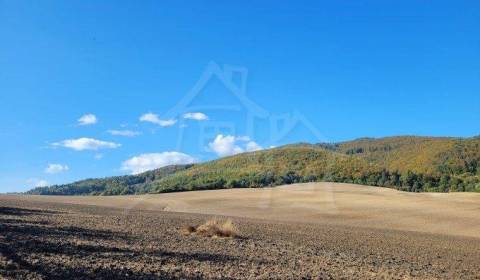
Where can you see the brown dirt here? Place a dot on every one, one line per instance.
(44, 238)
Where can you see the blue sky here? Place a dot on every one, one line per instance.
(316, 70)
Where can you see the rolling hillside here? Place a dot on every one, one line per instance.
(407, 163)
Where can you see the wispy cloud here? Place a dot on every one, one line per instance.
(145, 162)
(54, 168)
(81, 144)
(87, 119)
(153, 118)
(37, 182)
(227, 145)
(198, 116)
(252, 146)
(126, 133)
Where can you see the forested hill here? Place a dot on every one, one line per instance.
(407, 163)
(426, 155)
(117, 185)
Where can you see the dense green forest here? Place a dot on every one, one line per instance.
(406, 163)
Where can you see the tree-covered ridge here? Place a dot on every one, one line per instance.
(284, 165)
(117, 185)
(405, 163)
(430, 155)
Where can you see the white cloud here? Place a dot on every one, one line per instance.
(198, 116)
(252, 146)
(53, 168)
(153, 118)
(37, 182)
(243, 138)
(81, 144)
(126, 133)
(227, 145)
(41, 183)
(87, 119)
(145, 162)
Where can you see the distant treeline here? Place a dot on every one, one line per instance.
(118, 185)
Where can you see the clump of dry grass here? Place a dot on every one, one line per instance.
(212, 228)
(188, 230)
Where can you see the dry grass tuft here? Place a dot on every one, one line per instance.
(188, 230)
(213, 228)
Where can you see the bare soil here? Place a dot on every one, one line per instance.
(51, 238)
